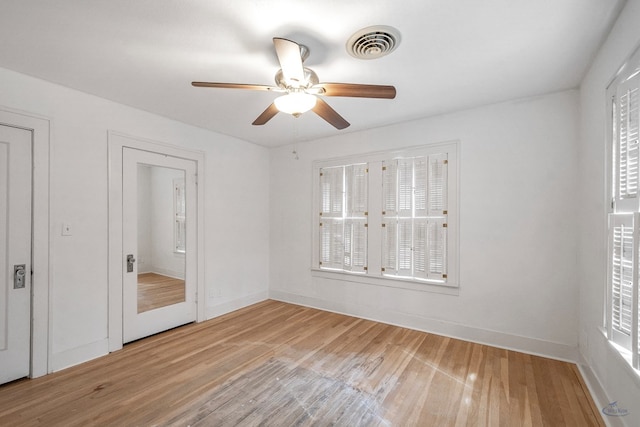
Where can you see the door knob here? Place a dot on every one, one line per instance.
(130, 261)
(19, 275)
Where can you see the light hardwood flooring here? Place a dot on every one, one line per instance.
(278, 364)
(156, 290)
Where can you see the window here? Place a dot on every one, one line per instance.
(389, 216)
(623, 325)
(343, 223)
(414, 235)
(179, 212)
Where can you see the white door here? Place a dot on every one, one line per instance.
(15, 252)
(159, 242)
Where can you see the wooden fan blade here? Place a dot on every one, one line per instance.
(330, 115)
(290, 58)
(233, 86)
(266, 115)
(357, 90)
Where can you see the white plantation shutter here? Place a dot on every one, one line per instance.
(418, 246)
(337, 243)
(420, 249)
(397, 192)
(180, 216)
(389, 217)
(623, 274)
(332, 224)
(627, 157)
(390, 246)
(624, 260)
(343, 220)
(623, 280)
(438, 212)
(405, 247)
(437, 249)
(437, 184)
(356, 192)
(409, 239)
(332, 191)
(355, 248)
(348, 243)
(180, 235)
(331, 243)
(405, 187)
(420, 166)
(325, 244)
(356, 213)
(390, 188)
(430, 249)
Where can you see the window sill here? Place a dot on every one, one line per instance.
(446, 289)
(624, 356)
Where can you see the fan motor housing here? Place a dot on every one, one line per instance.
(310, 79)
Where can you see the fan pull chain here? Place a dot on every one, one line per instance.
(295, 140)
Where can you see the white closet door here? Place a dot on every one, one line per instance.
(151, 214)
(15, 252)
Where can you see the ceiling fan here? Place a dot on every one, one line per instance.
(301, 87)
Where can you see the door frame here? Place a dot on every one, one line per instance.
(40, 128)
(116, 142)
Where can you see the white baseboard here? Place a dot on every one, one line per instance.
(227, 306)
(453, 330)
(75, 356)
(165, 272)
(598, 394)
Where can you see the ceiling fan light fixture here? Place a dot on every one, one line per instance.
(295, 103)
(301, 86)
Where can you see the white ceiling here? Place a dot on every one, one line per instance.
(454, 54)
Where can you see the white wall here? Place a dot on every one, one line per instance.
(518, 228)
(619, 382)
(236, 181)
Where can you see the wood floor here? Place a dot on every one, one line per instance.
(156, 290)
(277, 364)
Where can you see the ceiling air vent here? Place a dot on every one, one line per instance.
(373, 42)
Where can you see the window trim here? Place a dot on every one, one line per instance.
(631, 355)
(374, 274)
